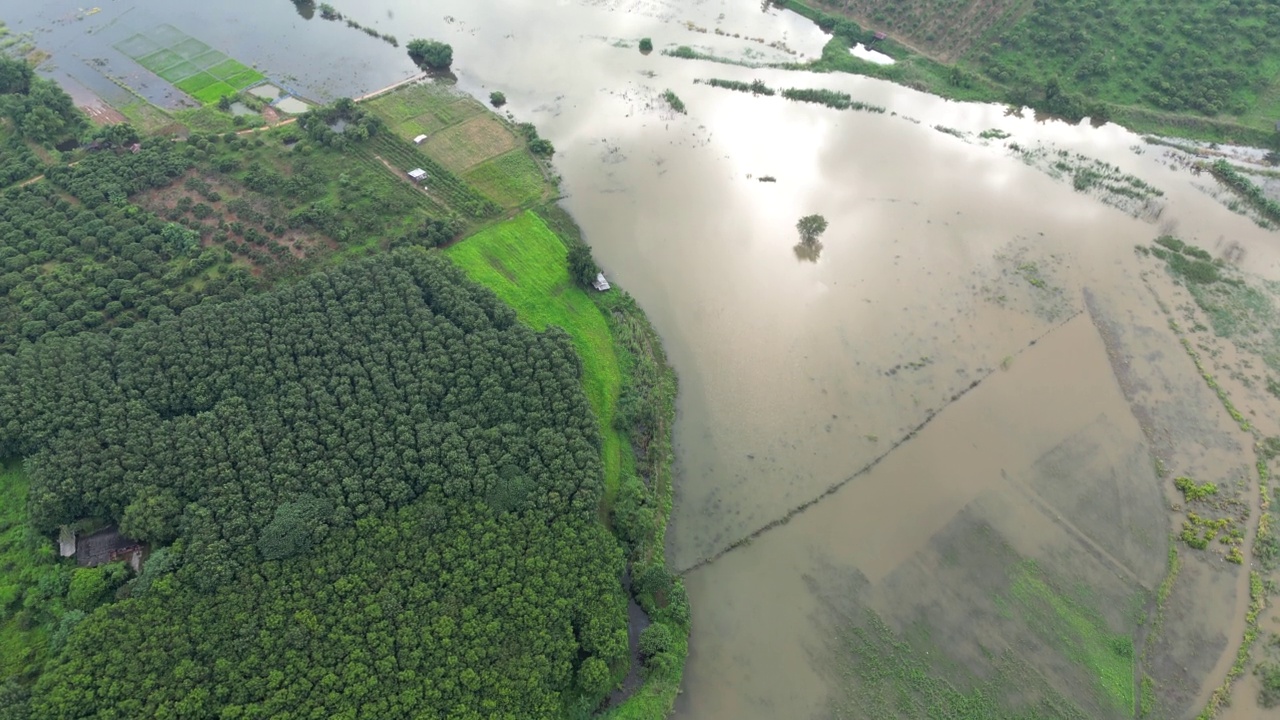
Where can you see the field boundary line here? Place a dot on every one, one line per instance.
(838, 485)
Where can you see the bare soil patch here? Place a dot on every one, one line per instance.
(253, 229)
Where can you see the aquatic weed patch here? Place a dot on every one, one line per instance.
(1105, 181)
(885, 676)
(1077, 632)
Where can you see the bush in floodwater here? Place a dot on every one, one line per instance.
(685, 52)
(582, 267)
(1171, 242)
(1269, 693)
(1192, 492)
(497, 99)
(755, 87)
(674, 101)
(830, 98)
(646, 45)
(1197, 271)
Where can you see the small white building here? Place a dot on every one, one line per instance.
(600, 283)
(418, 174)
(420, 139)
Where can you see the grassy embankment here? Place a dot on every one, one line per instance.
(1152, 68)
(524, 262)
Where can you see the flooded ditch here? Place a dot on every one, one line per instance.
(978, 376)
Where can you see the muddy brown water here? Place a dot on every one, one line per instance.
(948, 261)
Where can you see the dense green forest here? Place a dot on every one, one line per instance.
(380, 491)
(1180, 55)
(369, 492)
(1182, 66)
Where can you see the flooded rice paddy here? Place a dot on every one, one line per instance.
(933, 468)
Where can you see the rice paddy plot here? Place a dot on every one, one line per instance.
(191, 65)
(160, 60)
(179, 72)
(191, 48)
(236, 74)
(205, 87)
(138, 46)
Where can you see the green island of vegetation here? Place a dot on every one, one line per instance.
(307, 463)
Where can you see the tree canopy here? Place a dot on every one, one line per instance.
(42, 112)
(430, 54)
(811, 228)
(381, 491)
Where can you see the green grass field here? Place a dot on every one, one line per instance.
(511, 179)
(524, 263)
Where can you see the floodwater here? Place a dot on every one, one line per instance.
(937, 371)
(866, 53)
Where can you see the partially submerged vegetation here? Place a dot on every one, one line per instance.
(830, 98)
(674, 101)
(1268, 209)
(755, 87)
(1107, 182)
(883, 672)
(1241, 310)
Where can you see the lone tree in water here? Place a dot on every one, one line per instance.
(431, 55)
(811, 228)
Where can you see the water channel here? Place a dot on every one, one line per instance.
(949, 261)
